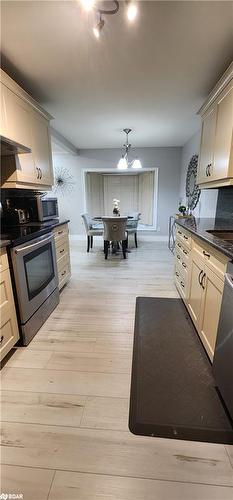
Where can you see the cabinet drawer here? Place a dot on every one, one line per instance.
(60, 232)
(3, 260)
(62, 249)
(7, 337)
(215, 260)
(182, 268)
(183, 236)
(180, 283)
(184, 252)
(64, 274)
(62, 262)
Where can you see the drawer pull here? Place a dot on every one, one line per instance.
(179, 232)
(202, 281)
(63, 274)
(184, 265)
(185, 237)
(177, 274)
(178, 257)
(1, 339)
(199, 277)
(206, 254)
(185, 251)
(182, 284)
(179, 245)
(59, 232)
(61, 251)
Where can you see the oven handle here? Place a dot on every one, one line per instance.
(34, 245)
(229, 279)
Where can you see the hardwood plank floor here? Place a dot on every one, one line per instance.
(65, 397)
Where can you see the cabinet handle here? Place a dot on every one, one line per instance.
(179, 245)
(206, 254)
(202, 279)
(185, 251)
(59, 232)
(38, 175)
(182, 284)
(63, 274)
(61, 251)
(178, 257)
(177, 274)
(184, 265)
(206, 170)
(199, 277)
(1, 339)
(179, 232)
(185, 237)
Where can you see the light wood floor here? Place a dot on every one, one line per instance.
(65, 397)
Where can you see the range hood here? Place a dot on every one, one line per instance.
(9, 147)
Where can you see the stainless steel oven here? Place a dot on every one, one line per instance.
(36, 283)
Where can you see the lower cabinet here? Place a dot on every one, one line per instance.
(61, 237)
(210, 310)
(9, 333)
(204, 284)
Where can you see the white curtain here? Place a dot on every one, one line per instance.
(94, 194)
(146, 197)
(124, 188)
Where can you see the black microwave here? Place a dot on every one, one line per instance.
(47, 208)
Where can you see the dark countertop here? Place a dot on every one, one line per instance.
(199, 227)
(15, 235)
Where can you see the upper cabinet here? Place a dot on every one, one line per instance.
(216, 150)
(25, 122)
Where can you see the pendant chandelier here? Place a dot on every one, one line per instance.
(110, 7)
(124, 162)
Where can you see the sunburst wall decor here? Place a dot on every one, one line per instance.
(64, 183)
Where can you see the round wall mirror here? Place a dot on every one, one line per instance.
(192, 190)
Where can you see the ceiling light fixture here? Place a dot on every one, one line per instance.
(124, 161)
(132, 11)
(88, 5)
(113, 7)
(97, 29)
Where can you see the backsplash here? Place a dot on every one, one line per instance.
(225, 203)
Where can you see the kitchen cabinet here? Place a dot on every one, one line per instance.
(199, 278)
(207, 145)
(41, 150)
(26, 123)
(61, 237)
(9, 333)
(195, 290)
(215, 167)
(210, 310)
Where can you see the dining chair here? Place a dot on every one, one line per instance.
(132, 226)
(115, 231)
(92, 230)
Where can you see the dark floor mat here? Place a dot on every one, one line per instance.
(173, 393)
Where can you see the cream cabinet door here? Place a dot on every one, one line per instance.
(223, 138)
(17, 118)
(195, 288)
(3, 122)
(210, 310)
(207, 146)
(42, 153)
(9, 333)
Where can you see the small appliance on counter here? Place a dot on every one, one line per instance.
(223, 356)
(27, 206)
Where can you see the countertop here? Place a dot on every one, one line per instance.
(15, 235)
(199, 227)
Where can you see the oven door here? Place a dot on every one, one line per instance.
(35, 273)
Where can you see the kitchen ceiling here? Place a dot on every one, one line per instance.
(151, 76)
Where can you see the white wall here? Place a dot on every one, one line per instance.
(168, 160)
(208, 198)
